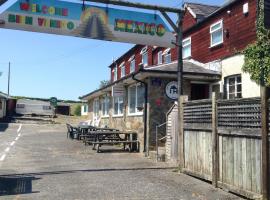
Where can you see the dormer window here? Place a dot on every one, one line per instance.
(187, 48)
(159, 58)
(144, 54)
(216, 32)
(132, 64)
(167, 56)
(123, 70)
(115, 73)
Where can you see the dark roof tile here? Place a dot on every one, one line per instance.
(201, 10)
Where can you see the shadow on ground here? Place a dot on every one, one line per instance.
(86, 170)
(3, 127)
(16, 184)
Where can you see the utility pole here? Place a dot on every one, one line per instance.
(8, 77)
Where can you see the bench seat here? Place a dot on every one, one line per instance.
(115, 142)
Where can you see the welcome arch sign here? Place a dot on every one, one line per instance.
(71, 19)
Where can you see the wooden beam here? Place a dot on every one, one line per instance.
(181, 159)
(137, 5)
(165, 15)
(265, 142)
(215, 167)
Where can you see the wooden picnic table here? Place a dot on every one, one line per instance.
(85, 129)
(113, 137)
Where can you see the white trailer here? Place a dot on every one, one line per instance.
(33, 107)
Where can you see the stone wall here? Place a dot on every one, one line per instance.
(158, 106)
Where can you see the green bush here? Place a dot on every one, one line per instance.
(77, 111)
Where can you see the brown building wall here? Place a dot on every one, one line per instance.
(239, 31)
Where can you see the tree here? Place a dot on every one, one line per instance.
(104, 83)
(77, 111)
(257, 55)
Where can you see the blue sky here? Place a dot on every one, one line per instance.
(44, 65)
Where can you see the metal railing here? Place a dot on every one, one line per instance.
(157, 127)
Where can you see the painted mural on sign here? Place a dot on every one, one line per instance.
(67, 18)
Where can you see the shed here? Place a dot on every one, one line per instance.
(63, 108)
(3, 104)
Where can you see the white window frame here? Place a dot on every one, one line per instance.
(136, 101)
(186, 45)
(85, 109)
(118, 111)
(144, 52)
(235, 86)
(130, 69)
(159, 59)
(123, 70)
(95, 103)
(105, 104)
(115, 73)
(213, 31)
(167, 53)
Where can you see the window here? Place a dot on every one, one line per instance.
(233, 87)
(85, 108)
(96, 107)
(216, 32)
(167, 56)
(135, 99)
(123, 70)
(1, 105)
(159, 57)
(105, 106)
(20, 105)
(144, 54)
(46, 107)
(132, 66)
(118, 105)
(187, 48)
(115, 73)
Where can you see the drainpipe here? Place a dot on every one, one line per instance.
(146, 139)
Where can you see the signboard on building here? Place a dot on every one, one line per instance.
(267, 14)
(118, 91)
(172, 90)
(72, 19)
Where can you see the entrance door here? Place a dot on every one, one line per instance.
(199, 91)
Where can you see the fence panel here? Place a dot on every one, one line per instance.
(239, 143)
(198, 139)
(240, 164)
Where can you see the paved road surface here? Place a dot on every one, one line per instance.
(66, 169)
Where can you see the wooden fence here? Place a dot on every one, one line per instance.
(222, 143)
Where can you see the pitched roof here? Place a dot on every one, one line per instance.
(190, 66)
(201, 11)
(3, 96)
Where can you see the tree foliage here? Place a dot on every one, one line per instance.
(257, 55)
(104, 83)
(77, 111)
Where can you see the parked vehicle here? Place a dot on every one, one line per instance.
(33, 107)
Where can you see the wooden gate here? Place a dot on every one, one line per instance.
(172, 135)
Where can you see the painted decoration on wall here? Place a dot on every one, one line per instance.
(72, 19)
(172, 90)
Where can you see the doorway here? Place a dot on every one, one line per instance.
(199, 91)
